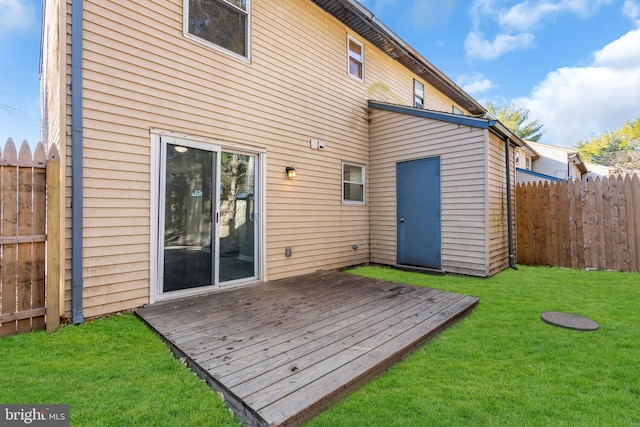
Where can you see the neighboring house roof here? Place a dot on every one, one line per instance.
(363, 22)
(530, 151)
(532, 176)
(599, 170)
(571, 154)
(476, 122)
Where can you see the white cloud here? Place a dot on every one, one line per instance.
(478, 47)
(526, 15)
(515, 26)
(631, 10)
(475, 84)
(576, 103)
(621, 54)
(16, 16)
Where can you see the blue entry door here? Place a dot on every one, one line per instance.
(418, 213)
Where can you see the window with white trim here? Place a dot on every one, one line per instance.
(352, 183)
(355, 51)
(418, 94)
(221, 23)
(456, 110)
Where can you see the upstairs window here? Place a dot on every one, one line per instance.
(352, 183)
(356, 58)
(418, 94)
(222, 23)
(456, 110)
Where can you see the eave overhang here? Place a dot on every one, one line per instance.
(364, 23)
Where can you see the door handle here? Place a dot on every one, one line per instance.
(401, 219)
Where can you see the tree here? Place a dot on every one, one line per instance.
(515, 117)
(619, 149)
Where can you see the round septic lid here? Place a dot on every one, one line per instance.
(569, 321)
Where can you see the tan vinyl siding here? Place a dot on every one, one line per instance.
(141, 72)
(55, 94)
(498, 226)
(396, 138)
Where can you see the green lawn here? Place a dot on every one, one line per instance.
(499, 366)
(112, 372)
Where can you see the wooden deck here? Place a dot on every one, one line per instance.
(281, 352)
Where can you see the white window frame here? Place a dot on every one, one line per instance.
(212, 45)
(363, 183)
(456, 110)
(418, 84)
(351, 55)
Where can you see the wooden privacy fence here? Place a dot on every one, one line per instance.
(22, 238)
(592, 224)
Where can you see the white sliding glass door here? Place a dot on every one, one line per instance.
(237, 216)
(208, 231)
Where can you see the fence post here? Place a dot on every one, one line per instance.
(54, 294)
(39, 229)
(635, 190)
(631, 230)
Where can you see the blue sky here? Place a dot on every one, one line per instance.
(575, 64)
(19, 80)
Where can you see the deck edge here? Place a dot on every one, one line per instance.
(245, 414)
(315, 409)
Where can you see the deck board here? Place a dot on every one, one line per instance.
(282, 351)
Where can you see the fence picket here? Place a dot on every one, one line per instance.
(615, 223)
(607, 223)
(635, 190)
(563, 219)
(22, 237)
(554, 249)
(9, 227)
(25, 221)
(545, 234)
(600, 218)
(587, 213)
(580, 224)
(520, 227)
(573, 237)
(631, 230)
(625, 262)
(577, 188)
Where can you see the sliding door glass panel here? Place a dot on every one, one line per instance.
(188, 218)
(237, 216)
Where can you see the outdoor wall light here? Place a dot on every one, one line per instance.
(291, 172)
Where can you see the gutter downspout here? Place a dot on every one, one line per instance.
(76, 162)
(507, 146)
